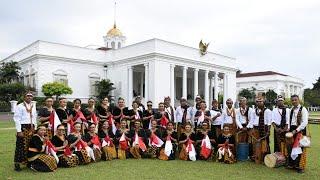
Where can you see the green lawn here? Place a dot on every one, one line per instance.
(147, 169)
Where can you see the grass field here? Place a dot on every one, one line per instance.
(156, 169)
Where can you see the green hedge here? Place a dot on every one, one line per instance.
(5, 106)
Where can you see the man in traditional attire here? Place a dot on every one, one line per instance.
(243, 114)
(168, 108)
(259, 131)
(183, 114)
(229, 117)
(298, 123)
(25, 116)
(280, 123)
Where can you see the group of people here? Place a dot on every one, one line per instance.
(65, 137)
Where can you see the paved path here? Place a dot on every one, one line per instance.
(6, 116)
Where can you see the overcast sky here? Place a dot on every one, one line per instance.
(278, 35)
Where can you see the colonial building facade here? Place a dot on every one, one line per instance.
(152, 69)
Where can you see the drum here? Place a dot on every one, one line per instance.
(289, 138)
(274, 160)
(242, 151)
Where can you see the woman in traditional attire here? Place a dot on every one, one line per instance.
(170, 137)
(122, 140)
(104, 112)
(120, 112)
(44, 115)
(66, 158)
(201, 115)
(64, 113)
(162, 116)
(76, 116)
(135, 114)
(138, 141)
(155, 142)
(205, 142)
(78, 145)
(37, 159)
(90, 113)
(148, 116)
(226, 144)
(106, 137)
(187, 141)
(93, 141)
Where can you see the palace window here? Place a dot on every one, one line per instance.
(93, 79)
(60, 76)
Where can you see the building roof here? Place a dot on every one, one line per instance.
(261, 73)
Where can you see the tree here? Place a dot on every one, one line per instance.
(104, 87)
(316, 86)
(247, 93)
(56, 89)
(11, 91)
(9, 71)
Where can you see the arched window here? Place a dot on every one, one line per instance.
(60, 76)
(93, 79)
(113, 45)
(119, 45)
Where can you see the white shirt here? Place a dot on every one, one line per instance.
(276, 116)
(218, 120)
(21, 116)
(240, 119)
(226, 119)
(168, 110)
(304, 118)
(254, 121)
(179, 114)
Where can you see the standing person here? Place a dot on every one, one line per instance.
(135, 114)
(196, 107)
(162, 116)
(260, 131)
(280, 123)
(25, 119)
(229, 117)
(243, 114)
(183, 114)
(298, 123)
(77, 116)
(201, 115)
(140, 105)
(104, 112)
(216, 118)
(63, 112)
(44, 115)
(38, 160)
(120, 112)
(90, 113)
(148, 116)
(168, 108)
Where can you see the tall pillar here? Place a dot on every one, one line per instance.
(105, 69)
(184, 82)
(225, 89)
(216, 87)
(210, 92)
(196, 88)
(146, 82)
(141, 84)
(172, 84)
(130, 86)
(206, 86)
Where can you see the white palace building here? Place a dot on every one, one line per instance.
(153, 69)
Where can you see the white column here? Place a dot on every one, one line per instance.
(141, 84)
(216, 92)
(184, 82)
(196, 78)
(146, 82)
(130, 86)
(206, 86)
(225, 89)
(172, 84)
(105, 69)
(210, 92)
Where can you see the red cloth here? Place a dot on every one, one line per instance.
(94, 118)
(51, 120)
(164, 121)
(205, 152)
(123, 142)
(95, 141)
(51, 146)
(81, 145)
(67, 151)
(110, 120)
(189, 143)
(79, 115)
(108, 140)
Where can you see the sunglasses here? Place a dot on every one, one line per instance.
(61, 129)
